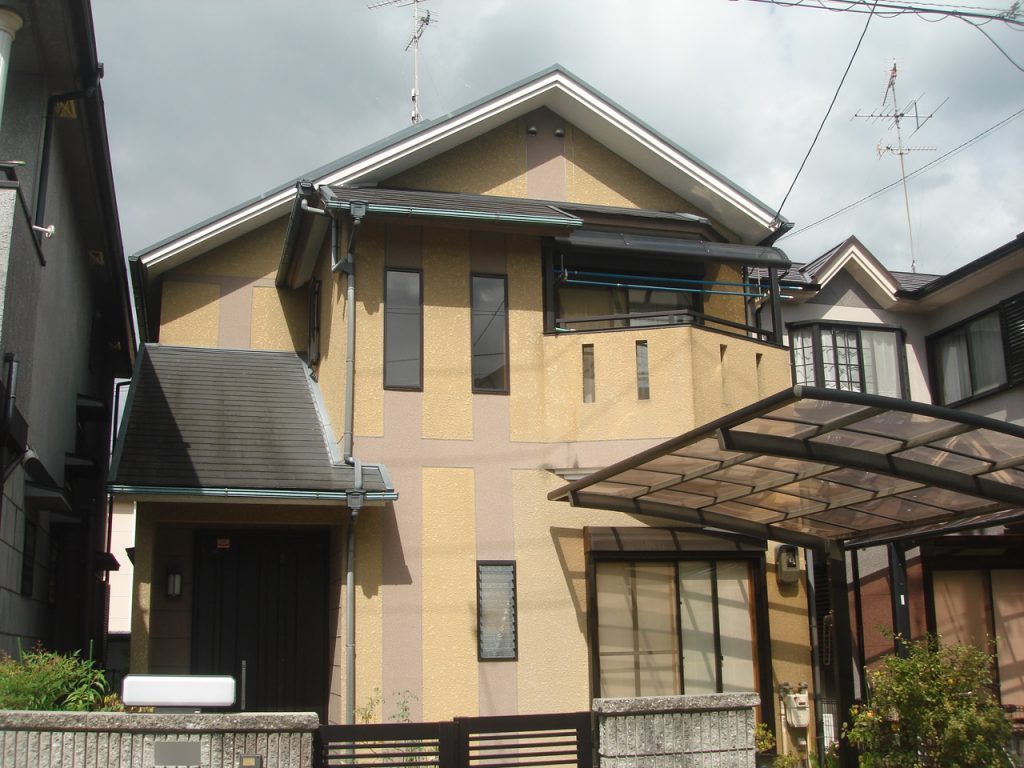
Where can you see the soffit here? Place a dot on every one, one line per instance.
(824, 469)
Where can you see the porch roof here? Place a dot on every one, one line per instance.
(231, 423)
(824, 469)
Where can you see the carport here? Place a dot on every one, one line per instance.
(830, 471)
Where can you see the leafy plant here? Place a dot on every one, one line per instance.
(787, 761)
(764, 739)
(46, 680)
(932, 709)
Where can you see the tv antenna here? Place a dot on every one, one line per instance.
(420, 22)
(895, 116)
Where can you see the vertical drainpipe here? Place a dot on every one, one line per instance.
(355, 497)
(10, 23)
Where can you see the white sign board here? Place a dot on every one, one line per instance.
(178, 691)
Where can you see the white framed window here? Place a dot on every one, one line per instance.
(849, 357)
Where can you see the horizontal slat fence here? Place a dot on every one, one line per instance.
(515, 741)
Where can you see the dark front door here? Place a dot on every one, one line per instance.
(260, 615)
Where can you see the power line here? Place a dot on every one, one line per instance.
(778, 212)
(912, 174)
(889, 9)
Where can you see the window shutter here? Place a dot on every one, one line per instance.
(496, 610)
(1012, 311)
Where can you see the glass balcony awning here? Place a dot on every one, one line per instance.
(824, 469)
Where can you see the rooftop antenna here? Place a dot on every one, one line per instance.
(420, 21)
(895, 117)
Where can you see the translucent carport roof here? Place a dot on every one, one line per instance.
(823, 468)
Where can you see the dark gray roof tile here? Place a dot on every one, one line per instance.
(236, 419)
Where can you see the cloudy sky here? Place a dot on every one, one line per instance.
(212, 102)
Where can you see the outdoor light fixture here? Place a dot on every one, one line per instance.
(532, 130)
(174, 583)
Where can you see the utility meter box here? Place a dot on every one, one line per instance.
(798, 713)
(787, 564)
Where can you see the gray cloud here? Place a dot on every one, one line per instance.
(212, 103)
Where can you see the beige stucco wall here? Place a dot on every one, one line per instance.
(473, 471)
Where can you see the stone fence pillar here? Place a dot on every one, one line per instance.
(711, 731)
(120, 740)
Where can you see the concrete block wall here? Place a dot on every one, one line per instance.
(116, 740)
(712, 731)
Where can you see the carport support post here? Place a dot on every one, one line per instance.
(900, 604)
(842, 638)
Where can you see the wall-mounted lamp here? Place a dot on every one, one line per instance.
(531, 130)
(174, 583)
(560, 132)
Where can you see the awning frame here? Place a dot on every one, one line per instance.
(822, 448)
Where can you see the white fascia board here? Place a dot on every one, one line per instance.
(875, 278)
(737, 210)
(707, 190)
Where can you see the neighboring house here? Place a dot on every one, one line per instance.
(359, 391)
(953, 340)
(65, 329)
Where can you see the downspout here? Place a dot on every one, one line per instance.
(355, 497)
(44, 160)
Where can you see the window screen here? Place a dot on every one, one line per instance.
(489, 329)
(496, 610)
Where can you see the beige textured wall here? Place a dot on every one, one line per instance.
(227, 298)
(491, 164)
(449, 594)
(791, 652)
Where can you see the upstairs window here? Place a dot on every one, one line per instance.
(489, 331)
(849, 357)
(981, 355)
(589, 292)
(403, 329)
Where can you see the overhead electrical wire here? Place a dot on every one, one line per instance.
(853, 56)
(889, 9)
(912, 174)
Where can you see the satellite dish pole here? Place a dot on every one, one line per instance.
(895, 116)
(420, 21)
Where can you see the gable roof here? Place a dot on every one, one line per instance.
(554, 88)
(216, 422)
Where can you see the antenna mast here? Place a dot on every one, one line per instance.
(895, 116)
(420, 21)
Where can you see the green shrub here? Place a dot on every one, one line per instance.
(935, 708)
(45, 680)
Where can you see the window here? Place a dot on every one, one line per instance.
(973, 606)
(585, 292)
(849, 357)
(489, 330)
(683, 627)
(496, 610)
(589, 391)
(643, 373)
(979, 356)
(403, 329)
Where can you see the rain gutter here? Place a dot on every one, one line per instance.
(560, 220)
(252, 493)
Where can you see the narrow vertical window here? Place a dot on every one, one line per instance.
(588, 373)
(28, 554)
(496, 610)
(489, 330)
(643, 375)
(403, 329)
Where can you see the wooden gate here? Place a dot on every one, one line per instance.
(467, 742)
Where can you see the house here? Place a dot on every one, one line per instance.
(66, 328)
(954, 340)
(359, 390)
